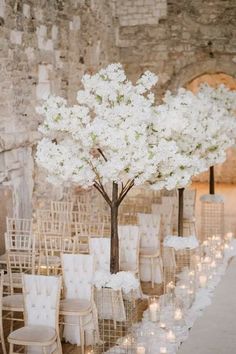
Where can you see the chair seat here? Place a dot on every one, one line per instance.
(191, 219)
(33, 335)
(149, 252)
(13, 302)
(50, 260)
(129, 267)
(70, 306)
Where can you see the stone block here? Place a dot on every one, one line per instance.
(26, 10)
(16, 37)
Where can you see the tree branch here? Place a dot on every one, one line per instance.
(125, 191)
(100, 151)
(102, 191)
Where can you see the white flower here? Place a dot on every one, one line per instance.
(125, 281)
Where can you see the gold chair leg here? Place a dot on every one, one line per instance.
(3, 341)
(11, 347)
(81, 335)
(59, 347)
(152, 272)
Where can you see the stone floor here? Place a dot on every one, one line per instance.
(215, 331)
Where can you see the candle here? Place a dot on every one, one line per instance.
(207, 260)
(140, 349)
(163, 350)
(154, 311)
(178, 314)
(218, 255)
(199, 266)
(203, 280)
(170, 336)
(213, 264)
(229, 236)
(162, 325)
(170, 287)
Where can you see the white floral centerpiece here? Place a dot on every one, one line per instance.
(108, 138)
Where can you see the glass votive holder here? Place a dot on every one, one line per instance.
(170, 336)
(202, 280)
(154, 309)
(140, 348)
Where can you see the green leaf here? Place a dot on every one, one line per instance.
(57, 118)
(99, 98)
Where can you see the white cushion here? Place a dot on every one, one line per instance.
(74, 305)
(33, 335)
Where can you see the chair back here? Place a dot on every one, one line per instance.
(62, 211)
(166, 211)
(189, 203)
(149, 220)
(43, 214)
(19, 226)
(84, 207)
(41, 300)
(100, 247)
(149, 228)
(53, 227)
(1, 292)
(19, 263)
(129, 246)
(78, 271)
(19, 241)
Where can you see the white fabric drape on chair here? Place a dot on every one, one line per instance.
(149, 228)
(100, 247)
(41, 302)
(78, 271)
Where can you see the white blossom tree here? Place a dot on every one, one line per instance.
(201, 128)
(223, 101)
(109, 138)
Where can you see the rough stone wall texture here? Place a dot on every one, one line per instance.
(196, 37)
(140, 12)
(45, 47)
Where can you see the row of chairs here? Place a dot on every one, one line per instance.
(41, 303)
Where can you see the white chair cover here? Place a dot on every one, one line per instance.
(41, 301)
(149, 226)
(100, 247)
(78, 271)
(129, 247)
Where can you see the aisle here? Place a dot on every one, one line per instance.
(215, 331)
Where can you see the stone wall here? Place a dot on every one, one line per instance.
(196, 37)
(140, 12)
(45, 47)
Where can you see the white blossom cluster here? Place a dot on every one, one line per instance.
(116, 133)
(107, 136)
(201, 125)
(125, 281)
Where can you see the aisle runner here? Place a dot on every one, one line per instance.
(152, 336)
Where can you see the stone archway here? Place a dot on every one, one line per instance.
(226, 172)
(223, 64)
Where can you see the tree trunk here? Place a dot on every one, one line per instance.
(212, 181)
(181, 212)
(114, 261)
